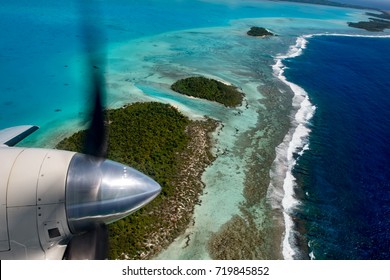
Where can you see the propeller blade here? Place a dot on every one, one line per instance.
(92, 245)
(96, 140)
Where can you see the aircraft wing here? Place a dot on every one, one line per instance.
(13, 135)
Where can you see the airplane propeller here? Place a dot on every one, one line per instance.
(96, 140)
(66, 199)
(100, 191)
(93, 243)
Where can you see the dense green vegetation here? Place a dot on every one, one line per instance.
(383, 15)
(209, 89)
(327, 3)
(148, 137)
(376, 23)
(373, 25)
(259, 31)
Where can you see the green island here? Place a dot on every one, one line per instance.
(376, 23)
(327, 3)
(209, 89)
(259, 32)
(159, 141)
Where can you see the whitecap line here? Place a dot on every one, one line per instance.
(295, 142)
(348, 35)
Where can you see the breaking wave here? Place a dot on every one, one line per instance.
(281, 192)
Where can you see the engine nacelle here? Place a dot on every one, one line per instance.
(33, 221)
(47, 196)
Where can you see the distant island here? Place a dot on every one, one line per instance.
(259, 32)
(209, 89)
(328, 3)
(376, 23)
(159, 141)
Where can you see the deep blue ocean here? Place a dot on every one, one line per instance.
(343, 179)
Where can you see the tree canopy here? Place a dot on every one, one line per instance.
(209, 89)
(259, 31)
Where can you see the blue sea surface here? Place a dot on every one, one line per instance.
(343, 179)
